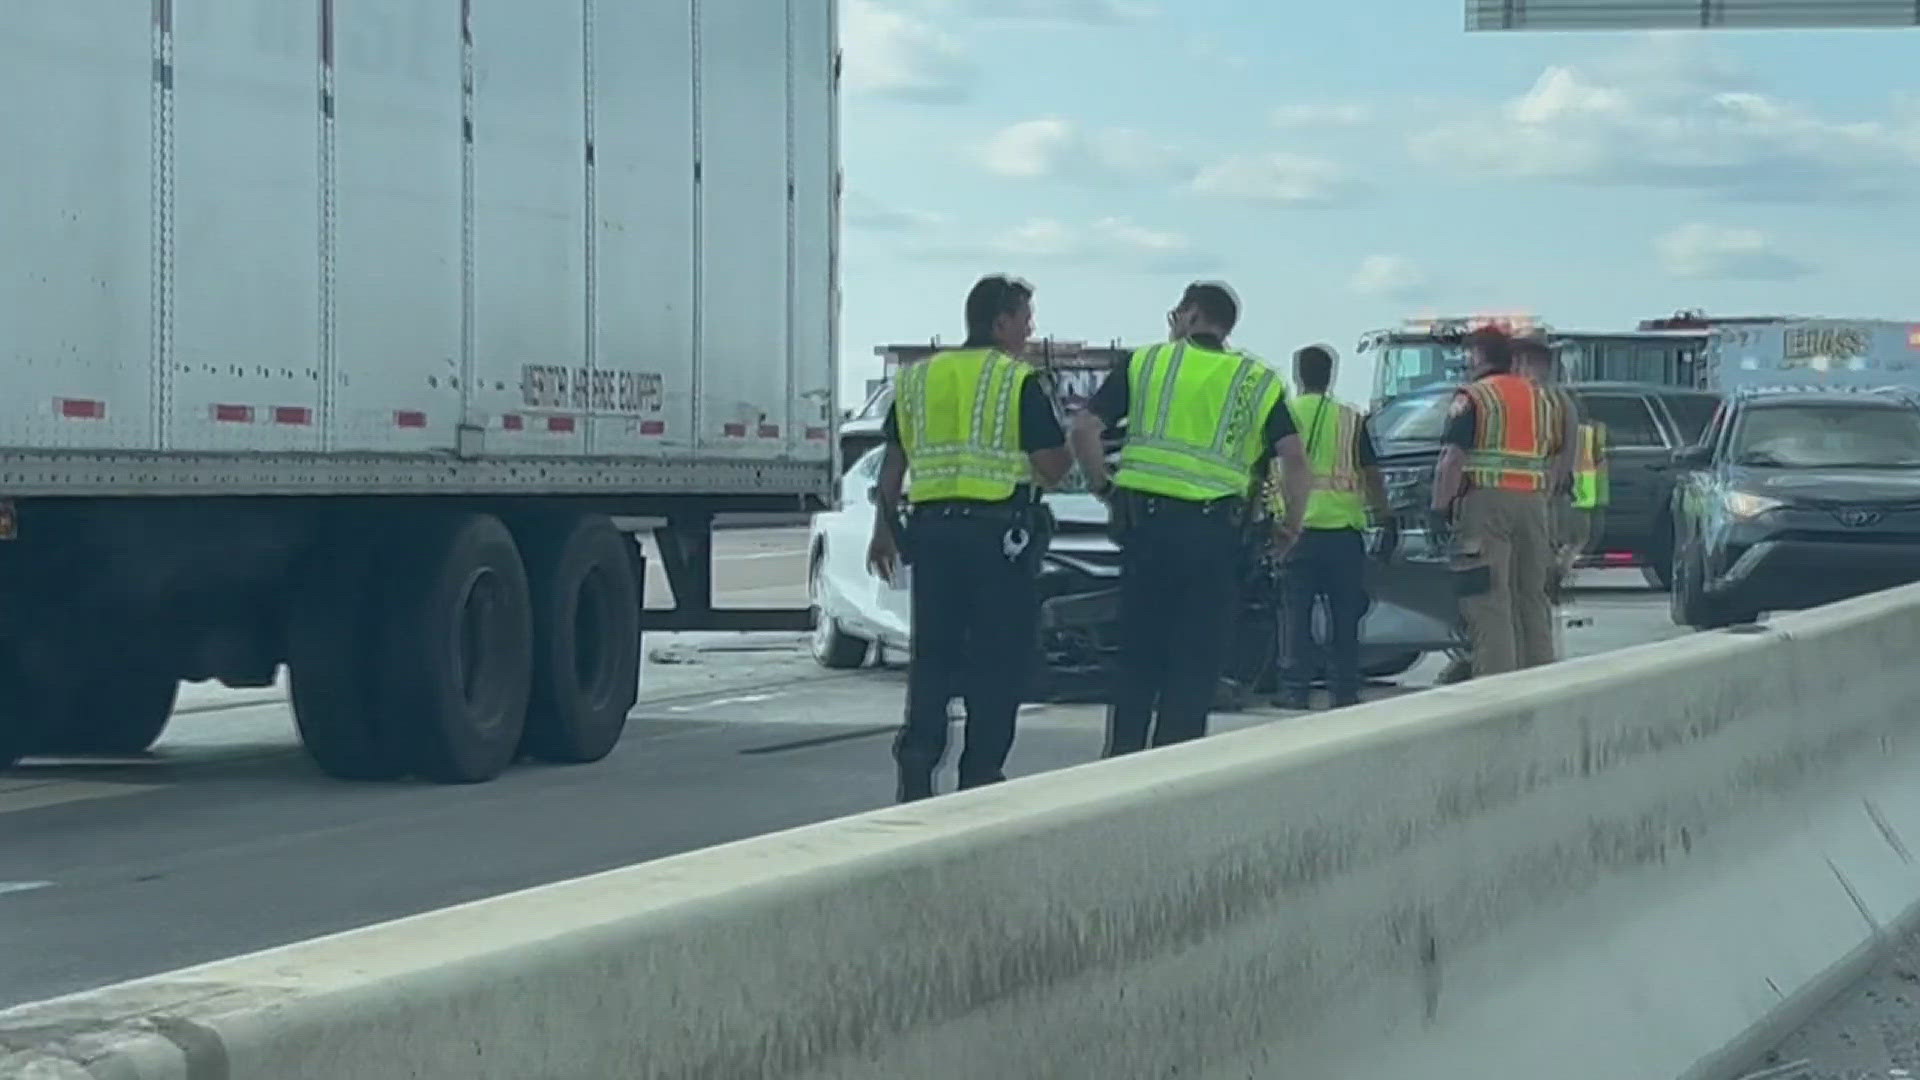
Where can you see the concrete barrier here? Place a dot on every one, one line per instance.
(1641, 865)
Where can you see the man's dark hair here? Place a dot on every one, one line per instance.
(991, 297)
(1314, 366)
(1216, 303)
(1494, 348)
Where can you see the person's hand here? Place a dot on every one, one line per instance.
(1285, 535)
(883, 555)
(1387, 541)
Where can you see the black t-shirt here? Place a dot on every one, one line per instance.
(1115, 397)
(1462, 418)
(1363, 449)
(1039, 427)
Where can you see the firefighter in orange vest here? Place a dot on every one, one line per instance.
(1491, 491)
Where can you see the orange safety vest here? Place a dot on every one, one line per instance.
(1514, 429)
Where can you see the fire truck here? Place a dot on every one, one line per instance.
(1431, 351)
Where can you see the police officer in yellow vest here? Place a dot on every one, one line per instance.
(1199, 418)
(1590, 486)
(977, 430)
(1534, 358)
(1329, 560)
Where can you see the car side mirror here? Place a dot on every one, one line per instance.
(1693, 457)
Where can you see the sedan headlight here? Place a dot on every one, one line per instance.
(1745, 504)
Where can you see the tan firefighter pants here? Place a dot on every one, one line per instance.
(1511, 624)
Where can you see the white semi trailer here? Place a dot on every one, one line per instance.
(340, 333)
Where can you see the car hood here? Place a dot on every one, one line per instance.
(1833, 486)
(1078, 512)
(1391, 450)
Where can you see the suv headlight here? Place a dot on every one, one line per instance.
(1745, 504)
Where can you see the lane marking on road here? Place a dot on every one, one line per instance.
(19, 795)
(714, 703)
(23, 886)
(823, 740)
(799, 553)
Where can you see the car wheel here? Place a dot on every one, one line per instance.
(1659, 568)
(832, 646)
(1389, 666)
(1690, 605)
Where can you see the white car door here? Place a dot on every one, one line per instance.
(864, 604)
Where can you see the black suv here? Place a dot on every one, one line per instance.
(1646, 425)
(1793, 499)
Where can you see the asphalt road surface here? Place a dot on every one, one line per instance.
(225, 840)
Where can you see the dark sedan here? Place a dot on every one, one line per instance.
(1795, 499)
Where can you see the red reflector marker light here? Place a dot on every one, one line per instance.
(769, 431)
(734, 431)
(560, 424)
(410, 418)
(233, 414)
(653, 427)
(513, 422)
(1617, 558)
(80, 409)
(296, 415)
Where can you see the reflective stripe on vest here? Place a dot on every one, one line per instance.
(1513, 423)
(1196, 420)
(959, 417)
(1590, 467)
(1330, 431)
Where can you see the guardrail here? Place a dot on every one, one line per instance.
(1645, 864)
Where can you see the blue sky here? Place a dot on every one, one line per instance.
(1346, 166)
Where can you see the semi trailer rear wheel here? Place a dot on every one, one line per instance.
(459, 649)
(586, 638)
(335, 663)
(112, 709)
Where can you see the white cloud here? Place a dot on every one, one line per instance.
(1320, 114)
(863, 211)
(1111, 243)
(894, 52)
(1673, 114)
(1097, 12)
(1389, 276)
(1048, 147)
(1706, 252)
(1279, 179)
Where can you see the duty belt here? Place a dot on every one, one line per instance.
(1153, 505)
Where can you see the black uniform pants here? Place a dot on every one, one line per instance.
(975, 636)
(1329, 564)
(1179, 594)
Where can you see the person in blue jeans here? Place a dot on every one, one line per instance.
(1328, 561)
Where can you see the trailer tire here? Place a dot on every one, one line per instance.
(334, 664)
(459, 653)
(118, 711)
(16, 713)
(586, 639)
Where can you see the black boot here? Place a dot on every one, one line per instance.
(915, 784)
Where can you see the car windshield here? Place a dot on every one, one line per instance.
(1411, 419)
(1817, 436)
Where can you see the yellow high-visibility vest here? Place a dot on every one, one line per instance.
(1590, 486)
(1196, 421)
(1330, 430)
(959, 419)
